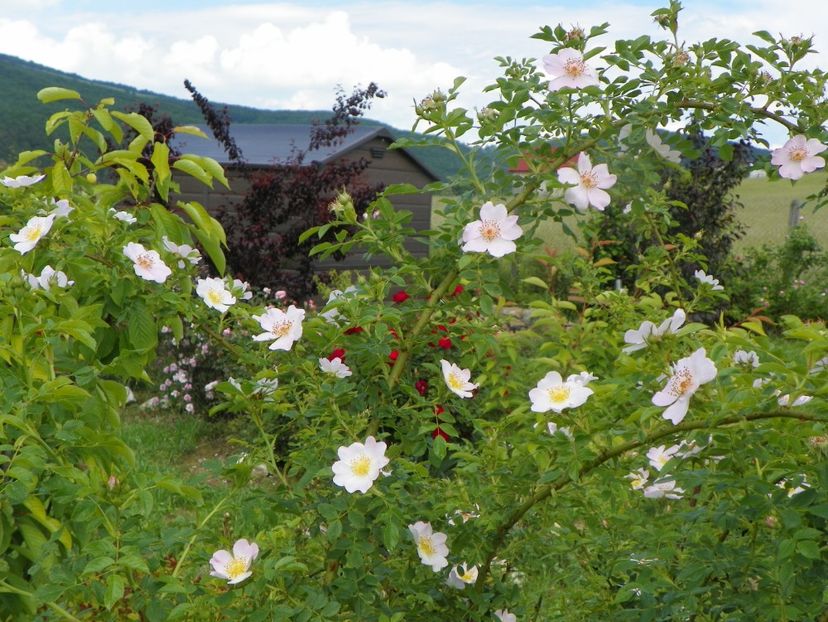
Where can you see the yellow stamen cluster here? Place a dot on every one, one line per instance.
(426, 546)
(588, 180)
(575, 67)
(145, 261)
(489, 230)
(559, 394)
(360, 466)
(236, 567)
(454, 381)
(681, 382)
(797, 155)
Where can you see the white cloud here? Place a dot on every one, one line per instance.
(291, 55)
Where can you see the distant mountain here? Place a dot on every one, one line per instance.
(22, 117)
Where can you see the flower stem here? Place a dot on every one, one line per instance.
(179, 564)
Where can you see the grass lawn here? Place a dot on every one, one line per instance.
(165, 441)
(766, 209)
(765, 213)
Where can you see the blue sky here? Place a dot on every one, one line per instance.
(294, 54)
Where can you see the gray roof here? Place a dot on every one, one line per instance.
(263, 144)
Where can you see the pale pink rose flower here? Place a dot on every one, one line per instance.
(146, 263)
(798, 156)
(688, 375)
(281, 327)
(568, 69)
(588, 184)
(235, 566)
(494, 233)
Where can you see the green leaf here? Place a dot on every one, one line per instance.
(189, 129)
(61, 180)
(390, 536)
(137, 122)
(114, 590)
(161, 161)
(55, 93)
(536, 281)
(98, 564)
(334, 530)
(193, 170)
(141, 327)
(809, 549)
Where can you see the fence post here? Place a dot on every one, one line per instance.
(793, 214)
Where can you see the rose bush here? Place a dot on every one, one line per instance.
(467, 468)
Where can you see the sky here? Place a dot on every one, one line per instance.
(292, 55)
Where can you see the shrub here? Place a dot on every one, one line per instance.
(610, 458)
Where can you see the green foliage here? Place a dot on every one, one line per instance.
(779, 280)
(538, 487)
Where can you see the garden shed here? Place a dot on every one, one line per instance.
(267, 145)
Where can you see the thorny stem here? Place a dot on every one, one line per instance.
(268, 442)
(179, 564)
(545, 491)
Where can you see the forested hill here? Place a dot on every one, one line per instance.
(22, 117)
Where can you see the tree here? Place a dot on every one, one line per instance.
(289, 198)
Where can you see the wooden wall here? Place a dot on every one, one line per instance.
(393, 167)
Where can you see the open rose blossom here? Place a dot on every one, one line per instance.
(21, 181)
(235, 566)
(688, 375)
(647, 331)
(568, 69)
(494, 233)
(281, 327)
(505, 616)
(359, 465)
(553, 393)
(147, 264)
(457, 380)
(335, 367)
(28, 237)
(798, 156)
(431, 545)
(588, 184)
(213, 292)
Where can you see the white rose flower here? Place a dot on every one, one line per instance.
(28, 237)
(431, 545)
(359, 465)
(494, 233)
(553, 393)
(335, 366)
(457, 380)
(688, 375)
(214, 294)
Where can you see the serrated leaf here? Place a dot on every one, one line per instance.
(115, 585)
(141, 327)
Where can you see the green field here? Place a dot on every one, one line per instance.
(765, 212)
(767, 205)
